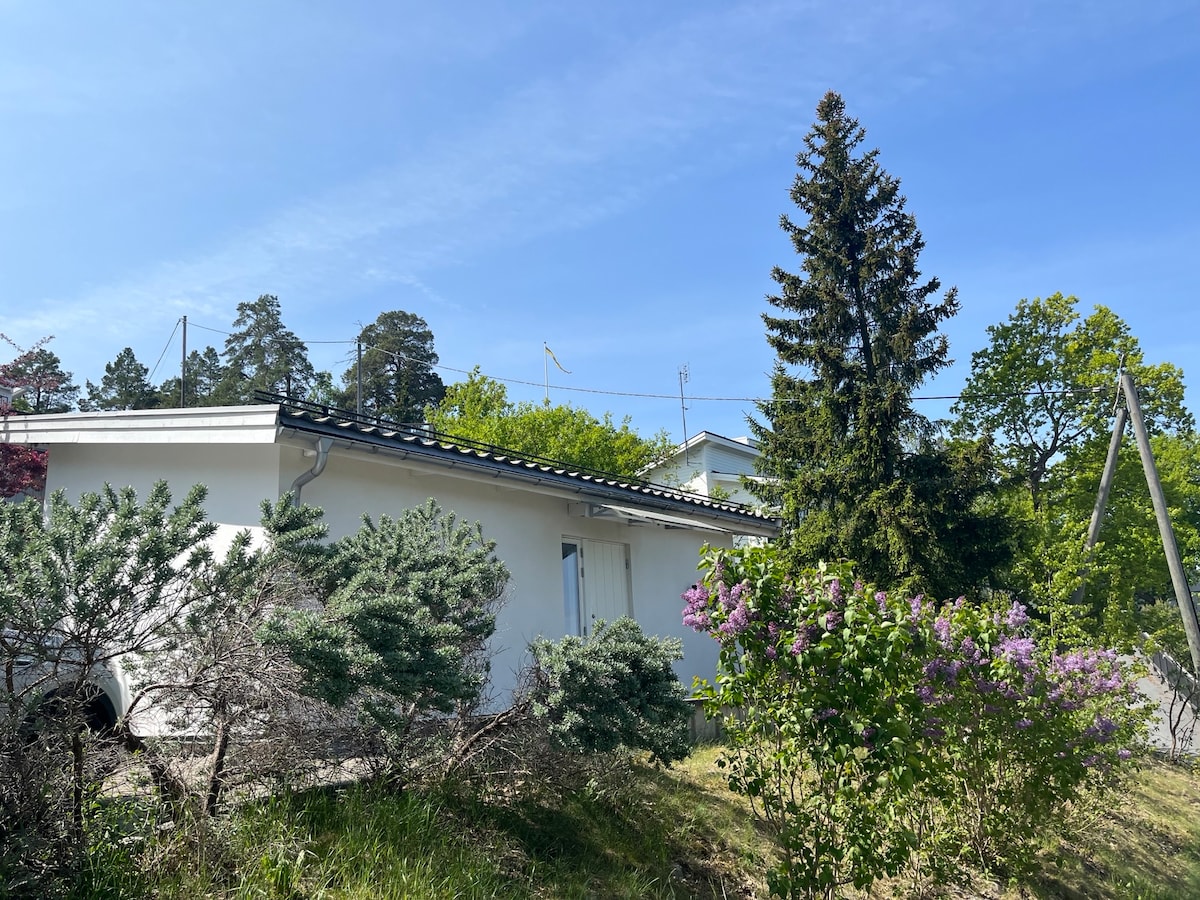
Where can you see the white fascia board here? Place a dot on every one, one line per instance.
(257, 424)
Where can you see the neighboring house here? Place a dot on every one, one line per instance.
(707, 461)
(579, 546)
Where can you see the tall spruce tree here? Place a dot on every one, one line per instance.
(855, 471)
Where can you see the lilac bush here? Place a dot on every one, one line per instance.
(875, 732)
(1019, 734)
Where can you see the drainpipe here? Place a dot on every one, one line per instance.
(324, 445)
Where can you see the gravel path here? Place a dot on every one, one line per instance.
(1155, 688)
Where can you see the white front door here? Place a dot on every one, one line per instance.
(603, 568)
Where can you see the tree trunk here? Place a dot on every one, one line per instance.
(217, 769)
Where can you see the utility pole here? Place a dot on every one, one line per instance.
(183, 368)
(358, 377)
(683, 378)
(1106, 480)
(1183, 593)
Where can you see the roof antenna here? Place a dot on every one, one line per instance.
(683, 377)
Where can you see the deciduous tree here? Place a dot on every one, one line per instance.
(1046, 382)
(479, 409)
(48, 389)
(34, 375)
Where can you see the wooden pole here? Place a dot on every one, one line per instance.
(1183, 593)
(183, 368)
(1106, 480)
(358, 377)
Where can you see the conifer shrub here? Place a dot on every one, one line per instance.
(615, 689)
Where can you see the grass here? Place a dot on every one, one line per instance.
(634, 831)
(1148, 848)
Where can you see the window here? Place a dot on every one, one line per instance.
(595, 583)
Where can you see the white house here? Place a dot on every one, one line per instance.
(706, 461)
(579, 546)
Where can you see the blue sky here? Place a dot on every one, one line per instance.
(606, 178)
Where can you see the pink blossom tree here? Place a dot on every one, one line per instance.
(23, 468)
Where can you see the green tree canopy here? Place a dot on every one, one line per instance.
(479, 409)
(398, 380)
(124, 386)
(204, 373)
(1045, 384)
(261, 354)
(846, 457)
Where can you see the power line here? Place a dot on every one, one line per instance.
(648, 396)
(651, 396)
(165, 348)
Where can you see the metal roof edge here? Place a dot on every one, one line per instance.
(735, 518)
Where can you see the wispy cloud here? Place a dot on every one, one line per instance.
(585, 142)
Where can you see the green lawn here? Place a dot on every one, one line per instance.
(631, 831)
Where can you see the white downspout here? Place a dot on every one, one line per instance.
(324, 445)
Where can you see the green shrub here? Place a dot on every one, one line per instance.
(614, 689)
(874, 732)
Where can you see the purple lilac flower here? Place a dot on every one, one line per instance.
(1016, 650)
(771, 652)
(941, 628)
(828, 713)
(833, 619)
(695, 614)
(835, 593)
(925, 693)
(1017, 617)
(738, 619)
(1124, 754)
(1024, 723)
(725, 597)
(801, 643)
(1091, 760)
(881, 600)
(916, 606)
(970, 651)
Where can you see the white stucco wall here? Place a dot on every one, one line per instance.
(528, 527)
(238, 477)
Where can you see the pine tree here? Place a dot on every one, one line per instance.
(261, 354)
(124, 386)
(856, 334)
(398, 380)
(204, 374)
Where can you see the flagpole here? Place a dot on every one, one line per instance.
(546, 372)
